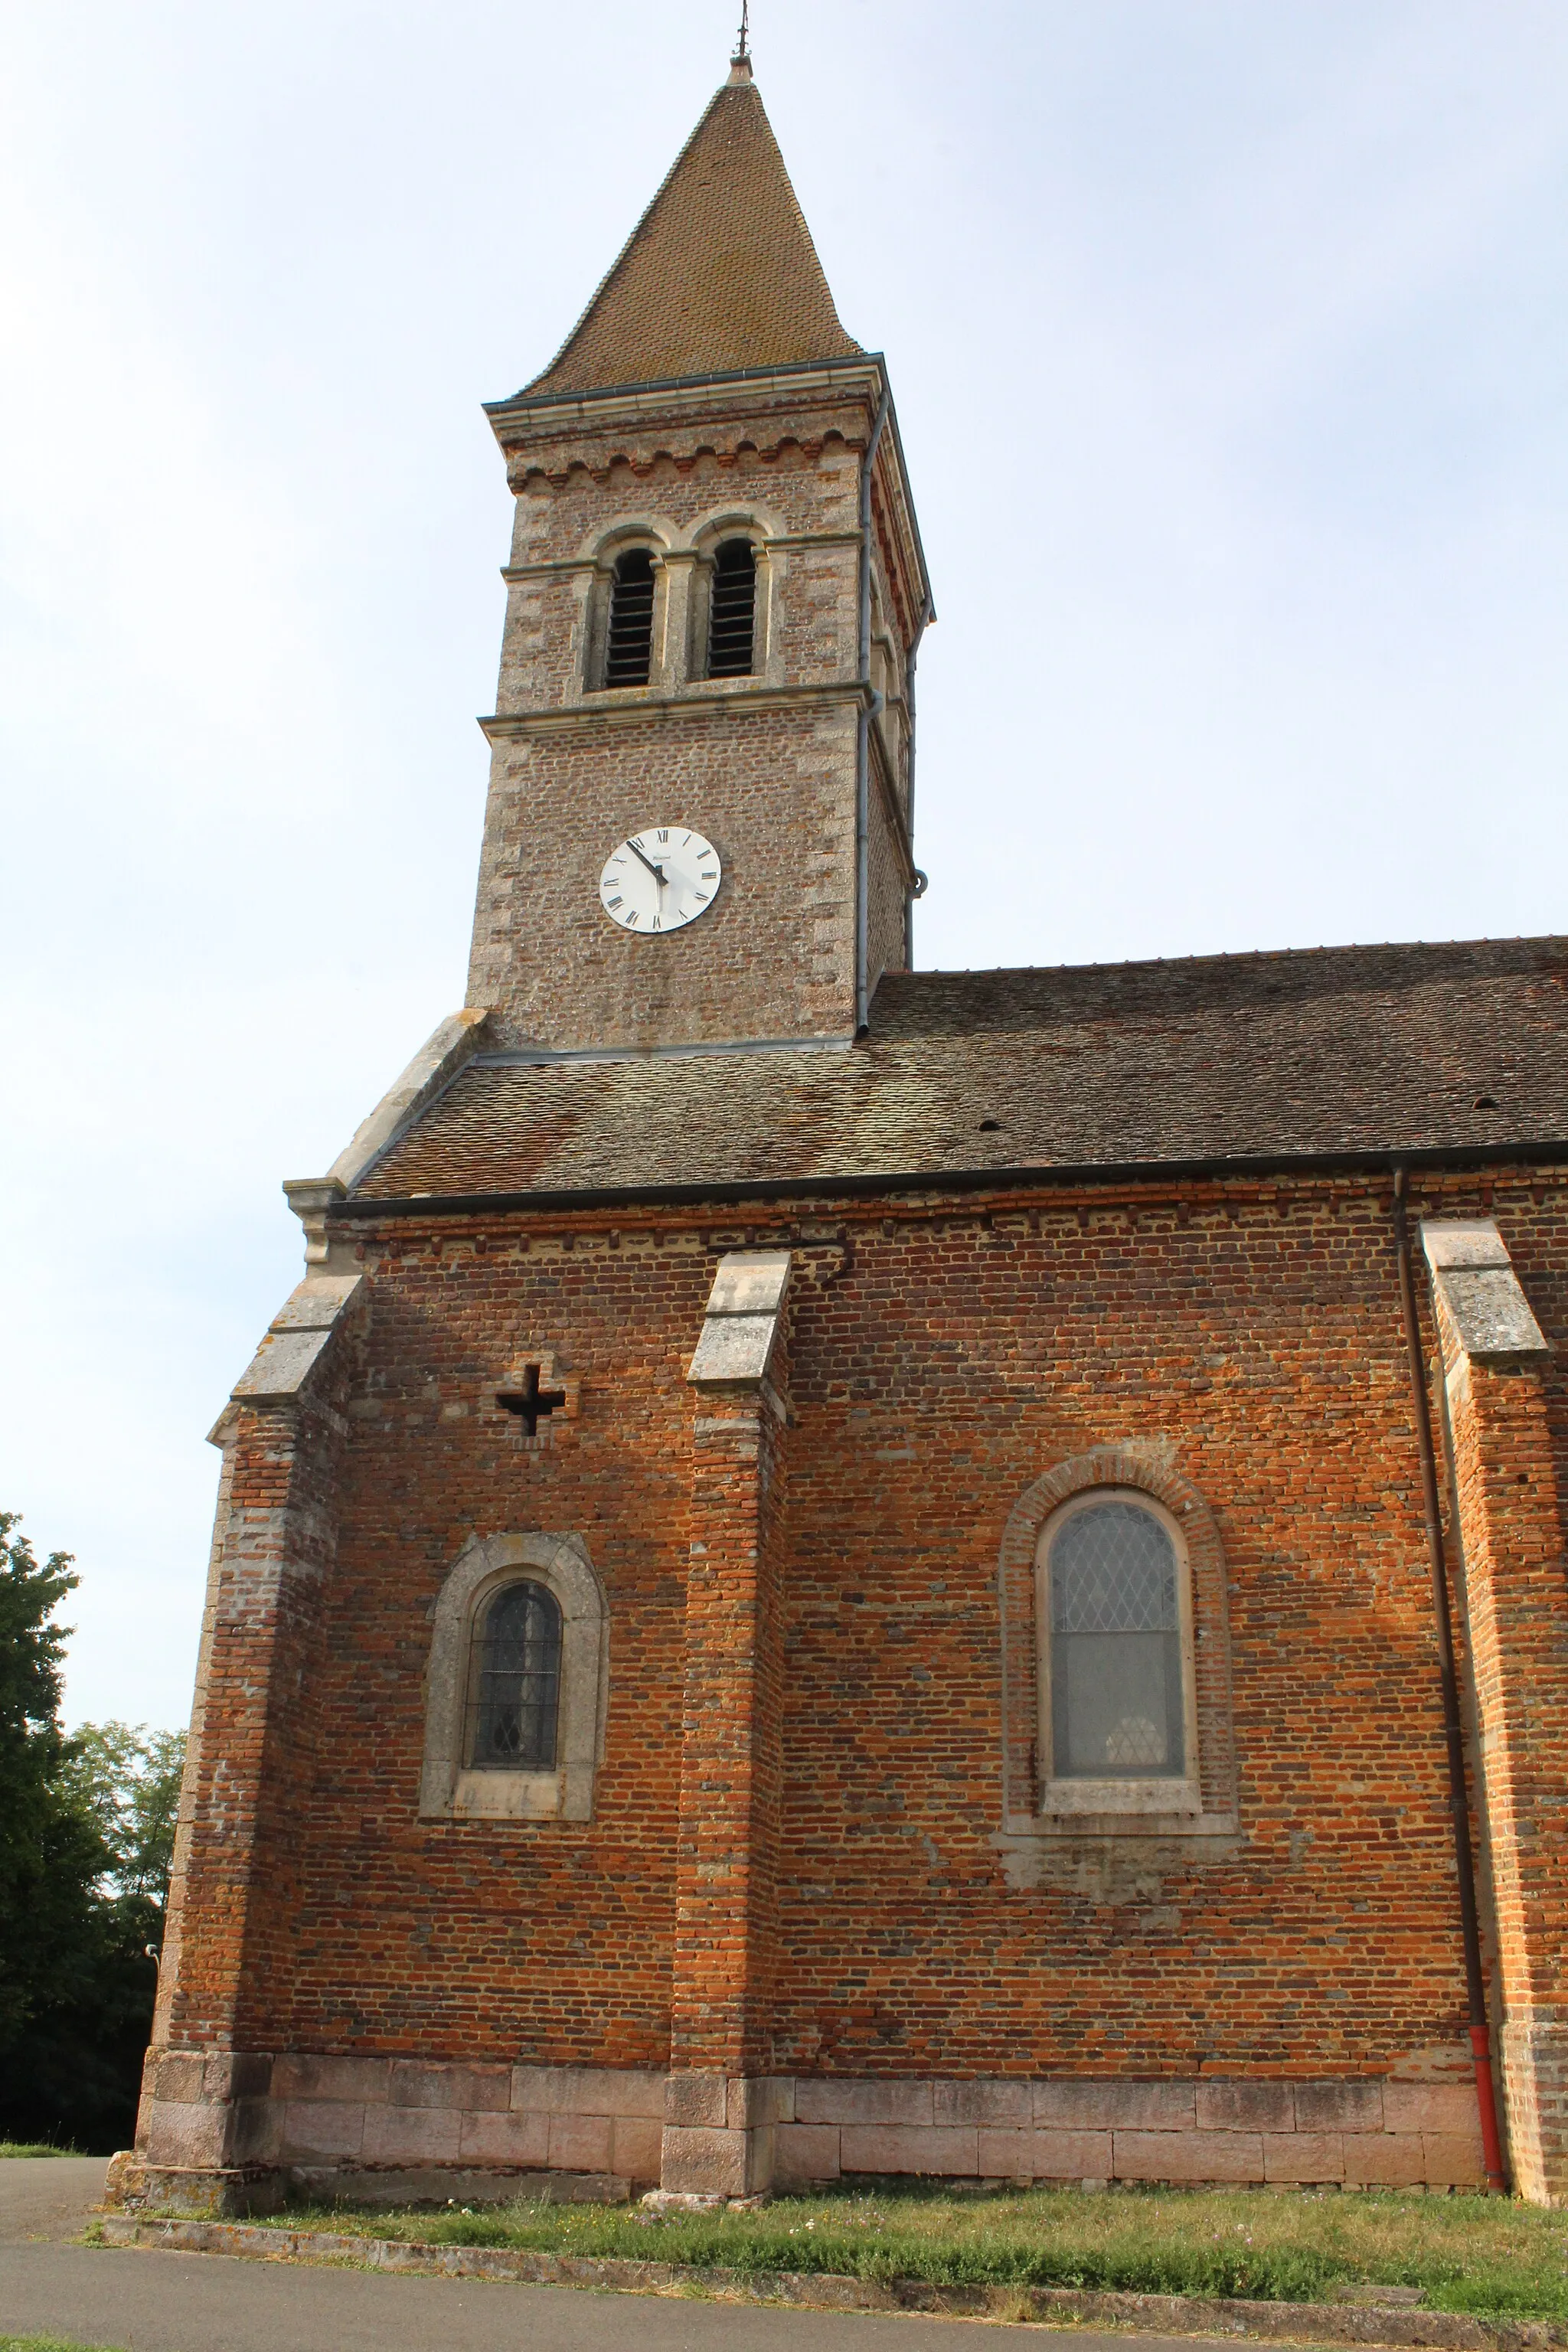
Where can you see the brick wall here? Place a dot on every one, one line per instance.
(774, 955)
(765, 766)
(946, 1354)
(1505, 1433)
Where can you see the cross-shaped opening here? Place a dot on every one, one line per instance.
(531, 1402)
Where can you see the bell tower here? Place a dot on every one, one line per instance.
(699, 823)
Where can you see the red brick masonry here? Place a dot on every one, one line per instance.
(918, 1983)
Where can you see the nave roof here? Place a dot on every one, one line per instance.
(1325, 1053)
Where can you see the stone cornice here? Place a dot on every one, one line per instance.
(637, 424)
(555, 415)
(634, 706)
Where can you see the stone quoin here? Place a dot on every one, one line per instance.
(828, 1572)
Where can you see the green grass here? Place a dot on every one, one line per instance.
(32, 2148)
(1467, 2254)
(49, 2344)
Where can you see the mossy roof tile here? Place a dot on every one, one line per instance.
(1316, 1053)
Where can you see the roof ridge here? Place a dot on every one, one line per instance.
(1556, 940)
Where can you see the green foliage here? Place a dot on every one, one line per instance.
(48, 2344)
(1467, 2254)
(51, 1855)
(86, 1833)
(126, 1779)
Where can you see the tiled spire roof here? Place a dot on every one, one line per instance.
(720, 273)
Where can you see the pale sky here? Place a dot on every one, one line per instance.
(1229, 348)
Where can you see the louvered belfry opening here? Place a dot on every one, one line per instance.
(732, 610)
(629, 645)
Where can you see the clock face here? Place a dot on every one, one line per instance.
(662, 878)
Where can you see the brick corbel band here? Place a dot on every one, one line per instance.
(719, 2110)
(1507, 1513)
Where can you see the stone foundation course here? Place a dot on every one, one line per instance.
(1360, 2134)
(237, 2133)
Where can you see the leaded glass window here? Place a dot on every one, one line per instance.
(1117, 1708)
(515, 1687)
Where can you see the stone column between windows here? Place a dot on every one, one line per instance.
(677, 659)
(204, 2114)
(719, 2105)
(1516, 1589)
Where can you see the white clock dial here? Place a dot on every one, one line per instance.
(658, 879)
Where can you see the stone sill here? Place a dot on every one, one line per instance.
(1167, 1797)
(1021, 1830)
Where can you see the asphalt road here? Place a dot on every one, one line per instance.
(136, 2300)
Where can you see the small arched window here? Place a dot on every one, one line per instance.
(628, 640)
(1119, 1697)
(732, 610)
(514, 1688)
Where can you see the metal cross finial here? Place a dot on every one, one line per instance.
(742, 51)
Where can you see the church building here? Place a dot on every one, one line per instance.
(836, 1570)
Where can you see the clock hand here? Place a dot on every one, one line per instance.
(657, 871)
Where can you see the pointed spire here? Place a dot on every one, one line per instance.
(741, 61)
(720, 273)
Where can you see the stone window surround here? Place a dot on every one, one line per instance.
(682, 555)
(449, 1789)
(706, 542)
(1163, 1793)
(1145, 1468)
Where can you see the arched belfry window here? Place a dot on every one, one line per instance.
(1118, 1634)
(732, 610)
(514, 1689)
(628, 641)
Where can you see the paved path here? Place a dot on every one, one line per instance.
(140, 2301)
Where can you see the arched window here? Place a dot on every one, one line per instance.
(628, 640)
(1115, 1585)
(515, 1684)
(732, 610)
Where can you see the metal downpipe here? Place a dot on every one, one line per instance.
(1453, 1728)
(909, 660)
(863, 731)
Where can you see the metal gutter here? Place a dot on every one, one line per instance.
(878, 1185)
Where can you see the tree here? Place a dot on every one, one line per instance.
(85, 1834)
(128, 1778)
